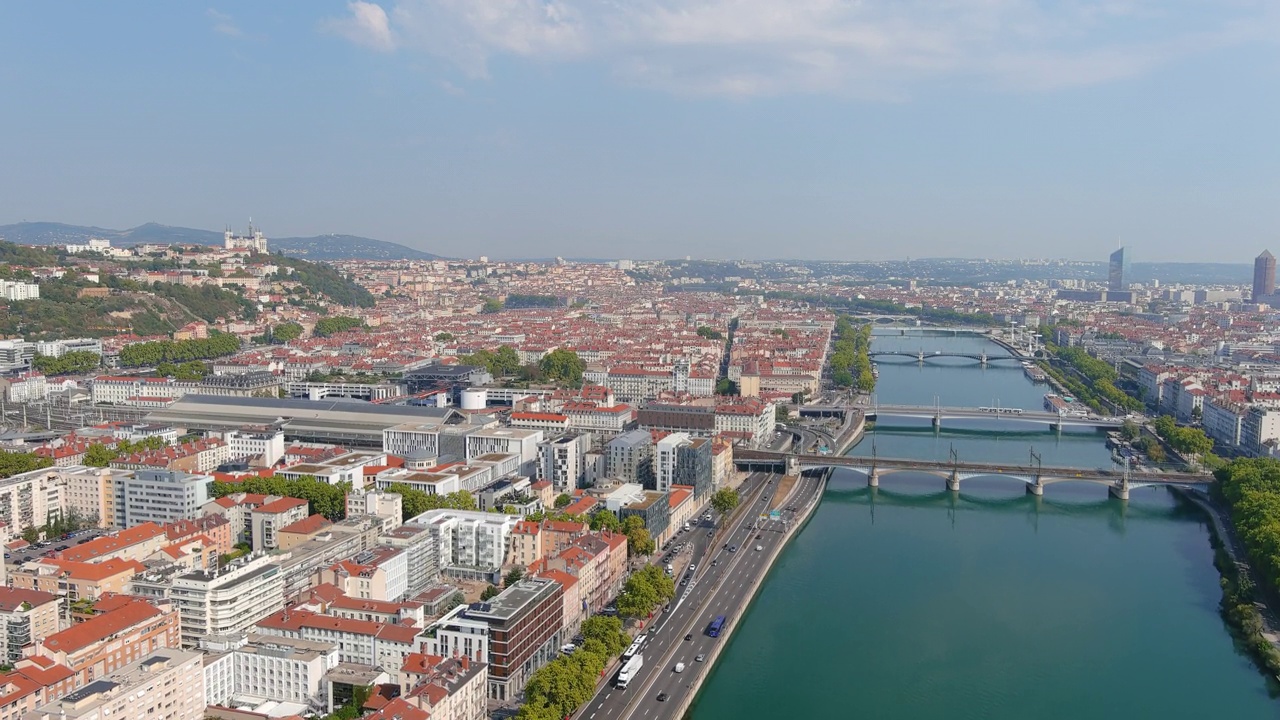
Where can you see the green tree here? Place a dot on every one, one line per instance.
(513, 576)
(15, 463)
(489, 592)
(1130, 430)
(99, 455)
(564, 500)
(725, 386)
(725, 500)
(607, 631)
(31, 534)
(604, 520)
(710, 333)
(639, 541)
(563, 365)
(443, 337)
(334, 325)
(491, 305)
(286, 332)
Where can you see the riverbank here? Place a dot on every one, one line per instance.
(801, 519)
(1252, 621)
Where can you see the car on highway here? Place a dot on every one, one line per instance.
(662, 697)
(692, 567)
(679, 667)
(759, 547)
(699, 657)
(715, 563)
(688, 637)
(733, 548)
(684, 581)
(711, 533)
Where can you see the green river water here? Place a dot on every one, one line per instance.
(911, 602)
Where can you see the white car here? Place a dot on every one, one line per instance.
(759, 547)
(679, 667)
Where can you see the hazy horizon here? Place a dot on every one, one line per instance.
(742, 129)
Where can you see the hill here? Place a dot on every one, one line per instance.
(320, 247)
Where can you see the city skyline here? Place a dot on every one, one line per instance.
(827, 131)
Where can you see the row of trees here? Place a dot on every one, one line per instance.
(180, 351)
(323, 498)
(100, 455)
(192, 370)
(76, 361)
(1186, 440)
(518, 302)
(561, 686)
(1251, 489)
(851, 358)
(59, 524)
(336, 324)
(414, 502)
(16, 463)
(647, 588)
(1101, 377)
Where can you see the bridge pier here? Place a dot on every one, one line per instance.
(873, 478)
(953, 482)
(937, 422)
(1036, 488)
(1119, 491)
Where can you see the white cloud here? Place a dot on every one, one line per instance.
(367, 25)
(869, 48)
(223, 24)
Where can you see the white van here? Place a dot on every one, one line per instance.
(679, 667)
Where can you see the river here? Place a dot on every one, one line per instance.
(911, 602)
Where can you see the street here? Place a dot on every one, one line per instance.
(720, 590)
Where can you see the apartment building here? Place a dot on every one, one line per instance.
(507, 441)
(125, 631)
(561, 461)
(222, 603)
(76, 580)
(267, 519)
(285, 669)
(470, 543)
(26, 617)
(263, 445)
(90, 492)
(523, 628)
(630, 456)
(445, 688)
(165, 685)
(359, 641)
(158, 496)
(27, 499)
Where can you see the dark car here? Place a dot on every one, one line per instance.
(689, 636)
(64, 547)
(662, 697)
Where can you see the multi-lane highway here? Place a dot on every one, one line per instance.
(722, 585)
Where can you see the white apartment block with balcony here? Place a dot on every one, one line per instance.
(467, 539)
(228, 602)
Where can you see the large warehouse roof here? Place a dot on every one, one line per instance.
(346, 421)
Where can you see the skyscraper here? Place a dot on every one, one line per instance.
(1118, 276)
(1264, 275)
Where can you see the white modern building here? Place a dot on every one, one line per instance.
(158, 496)
(15, 291)
(665, 456)
(227, 602)
(252, 670)
(504, 440)
(262, 444)
(469, 542)
(560, 460)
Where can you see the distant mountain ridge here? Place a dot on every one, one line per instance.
(320, 247)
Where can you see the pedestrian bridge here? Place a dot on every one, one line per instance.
(1035, 477)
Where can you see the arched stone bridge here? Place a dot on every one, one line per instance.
(1035, 477)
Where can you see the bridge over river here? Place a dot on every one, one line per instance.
(982, 358)
(940, 413)
(1118, 482)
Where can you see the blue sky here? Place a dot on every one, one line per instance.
(658, 128)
